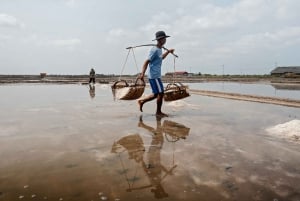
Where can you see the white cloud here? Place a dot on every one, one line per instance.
(37, 40)
(268, 40)
(66, 42)
(4, 37)
(210, 17)
(216, 17)
(117, 32)
(287, 9)
(116, 35)
(254, 45)
(288, 36)
(161, 18)
(70, 3)
(9, 21)
(251, 10)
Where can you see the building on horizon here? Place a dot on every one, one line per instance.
(286, 71)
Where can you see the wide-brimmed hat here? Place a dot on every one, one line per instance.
(160, 35)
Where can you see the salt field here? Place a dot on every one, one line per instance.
(71, 142)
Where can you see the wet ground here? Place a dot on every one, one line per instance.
(67, 142)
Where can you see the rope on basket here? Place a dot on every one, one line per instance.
(175, 90)
(129, 49)
(123, 90)
(174, 74)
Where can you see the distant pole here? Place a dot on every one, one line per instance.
(276, 64)
(223, 70)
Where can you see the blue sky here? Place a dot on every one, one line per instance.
(71, 36)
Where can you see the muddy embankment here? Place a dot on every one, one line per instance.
(252, 98)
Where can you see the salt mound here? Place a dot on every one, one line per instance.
(290, 129)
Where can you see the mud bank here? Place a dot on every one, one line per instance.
(253, 98)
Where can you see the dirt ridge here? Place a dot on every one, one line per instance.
(245, 97)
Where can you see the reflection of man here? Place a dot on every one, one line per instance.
(151, 163)
(92, 91)
(154, 168)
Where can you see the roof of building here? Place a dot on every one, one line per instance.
(177, 72)
(288, 69)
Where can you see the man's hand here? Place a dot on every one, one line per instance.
(141, 76)
(167, 52)
(171, 51)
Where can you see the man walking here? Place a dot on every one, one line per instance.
(92, 76)
(154, 61)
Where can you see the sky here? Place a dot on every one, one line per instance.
(209, 36)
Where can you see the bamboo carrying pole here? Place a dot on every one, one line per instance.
(151, 45)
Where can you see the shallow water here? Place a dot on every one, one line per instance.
(57, 142)
(261, 89)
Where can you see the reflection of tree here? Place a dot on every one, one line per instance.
(92, 90)
(154, 169)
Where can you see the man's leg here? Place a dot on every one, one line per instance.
(157, 89)
(159, 105)
(141, 102)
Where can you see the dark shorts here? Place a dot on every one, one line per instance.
(156, 86)
(92, 79)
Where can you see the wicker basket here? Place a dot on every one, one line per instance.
(124, 91)
(175, 131)
(175, 91)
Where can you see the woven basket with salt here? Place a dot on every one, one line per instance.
(123, 91)
(175, 91)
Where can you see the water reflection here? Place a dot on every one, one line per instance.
(293, 87)
(175, 131)
(92, 90)
(149, 161)
(282, 90)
